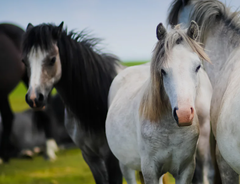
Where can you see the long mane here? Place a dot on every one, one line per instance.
(208, 14)
(155, 102)
(87, 74)
(173, 10)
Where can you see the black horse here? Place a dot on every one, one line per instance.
(82, 76)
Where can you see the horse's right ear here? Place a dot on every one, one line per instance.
(29, 26)
(161, 32)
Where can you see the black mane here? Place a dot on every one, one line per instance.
(39, 36)
(86, 73)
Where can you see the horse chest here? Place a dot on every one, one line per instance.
(167, 145)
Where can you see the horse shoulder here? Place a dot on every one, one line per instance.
(226, 91)
(230, 105)
(121, 122)
(228, 124)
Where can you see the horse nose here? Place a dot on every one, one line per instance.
(183, 116)
(35, 100)
(40, 97)
(175, 114)
(29, 102)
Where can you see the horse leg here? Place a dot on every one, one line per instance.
(7, 122)
(51, 145)
(198, 173)
(44, 119)
(51, 148)
(204, 172)
(149, 171)
(228, 175)
(213, 143)
(113, 168)
(97, 166)
(186, 176)
(128, 174)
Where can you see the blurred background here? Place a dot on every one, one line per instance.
(128, 31)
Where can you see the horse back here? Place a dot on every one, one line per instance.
(131, 77)
(11, 67)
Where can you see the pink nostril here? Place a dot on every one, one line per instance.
(184, 116)
(192, 114)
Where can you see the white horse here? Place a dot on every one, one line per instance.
(220, 34)
(152, 123)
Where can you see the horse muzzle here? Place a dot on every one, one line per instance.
(183, 116)
(37, 101)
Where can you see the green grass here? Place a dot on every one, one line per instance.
(69, 168)
(132, 63)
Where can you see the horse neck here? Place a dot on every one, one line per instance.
(219, 46)
(84, 85)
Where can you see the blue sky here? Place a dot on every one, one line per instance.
(127, 26)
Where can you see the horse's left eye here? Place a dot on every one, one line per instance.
(53, 60)
(198, 68)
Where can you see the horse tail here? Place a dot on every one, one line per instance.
(141, 177)
(217, 177)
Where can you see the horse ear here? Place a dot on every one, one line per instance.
(29, 26)
(193, 30)
(58, 31)
(161, 32)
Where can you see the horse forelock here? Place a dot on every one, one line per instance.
(155, 101)
(39, 37)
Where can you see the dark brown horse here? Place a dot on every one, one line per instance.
(12, 70)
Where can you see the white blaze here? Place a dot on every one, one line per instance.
(36, 57)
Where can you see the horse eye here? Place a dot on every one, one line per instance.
(179, 40)
(163, 72)
(52, 61)
(198, 68)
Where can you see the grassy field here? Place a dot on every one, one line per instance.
(69, 168)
